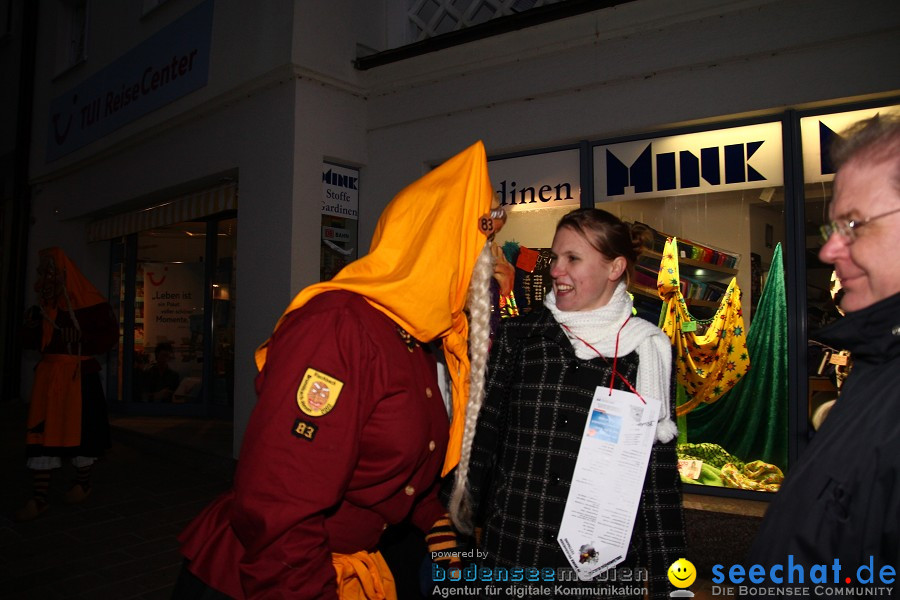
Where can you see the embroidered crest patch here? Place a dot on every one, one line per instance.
(318, 393)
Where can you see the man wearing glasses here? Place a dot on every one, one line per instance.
(840, 505)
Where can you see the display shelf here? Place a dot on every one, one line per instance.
(703, 284)
(716, 271)
(652, 293)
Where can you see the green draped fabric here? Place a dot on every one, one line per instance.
(751, 420)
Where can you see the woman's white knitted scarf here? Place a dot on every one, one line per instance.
(599, 328)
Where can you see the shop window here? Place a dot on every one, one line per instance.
(169, 311)
(733, 427)
(712, 207)
(176, 352)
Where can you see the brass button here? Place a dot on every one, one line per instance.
(384, 527)
(428, 392)
(410, 490)
(431, 446)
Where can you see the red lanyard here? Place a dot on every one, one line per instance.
(615, 372)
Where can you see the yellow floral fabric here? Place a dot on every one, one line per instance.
(709, 363)
(757, 476)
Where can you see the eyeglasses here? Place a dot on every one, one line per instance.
(848, 229)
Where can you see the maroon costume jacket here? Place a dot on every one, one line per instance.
(307, 486)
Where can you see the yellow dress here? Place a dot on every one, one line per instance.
(710, 363)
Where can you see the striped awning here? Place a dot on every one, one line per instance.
(183, 208)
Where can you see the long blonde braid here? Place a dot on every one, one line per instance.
(479, 309)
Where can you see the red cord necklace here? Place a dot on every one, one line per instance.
(615, 358)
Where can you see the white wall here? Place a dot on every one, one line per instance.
(326, 35)
(634, 68)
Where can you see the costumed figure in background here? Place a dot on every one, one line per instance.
(840, 502)
(520, 450)
(67, 415)
(350, 434)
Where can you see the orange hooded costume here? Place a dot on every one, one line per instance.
(76, 323)
(419, 266)
(276, 528)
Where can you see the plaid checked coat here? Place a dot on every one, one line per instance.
(529, 431)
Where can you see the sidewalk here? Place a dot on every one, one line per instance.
(161, 471)
(120, 543)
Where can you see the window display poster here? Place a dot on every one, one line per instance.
(340, 191)
(339, 245)
(173, 293)
(340, 219)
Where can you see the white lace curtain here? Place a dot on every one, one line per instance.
(428, 18)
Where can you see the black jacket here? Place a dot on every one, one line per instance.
(841, 500)
(529, 432)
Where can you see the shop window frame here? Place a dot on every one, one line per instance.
(803, 430)
(127, 404)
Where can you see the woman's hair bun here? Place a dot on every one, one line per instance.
(641, 237)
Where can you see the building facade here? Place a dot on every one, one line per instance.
(193, 138)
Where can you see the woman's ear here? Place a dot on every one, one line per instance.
(617, 270)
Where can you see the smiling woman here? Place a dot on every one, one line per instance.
(545, 369)
(592, 251)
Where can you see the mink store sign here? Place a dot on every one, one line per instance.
(172, 63)
(534, 181)
(737, 158)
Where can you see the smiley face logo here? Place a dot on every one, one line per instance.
(682, 573)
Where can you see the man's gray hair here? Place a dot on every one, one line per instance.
(874, 140)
